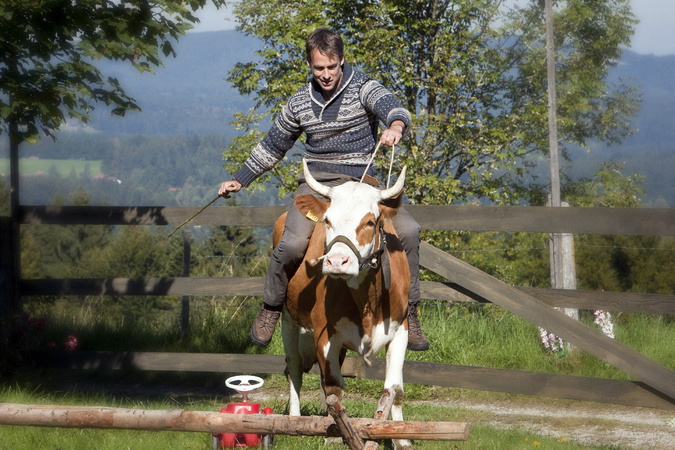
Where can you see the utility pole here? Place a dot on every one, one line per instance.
(563, 273)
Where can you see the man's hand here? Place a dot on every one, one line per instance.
(229, 186)
(392, 135)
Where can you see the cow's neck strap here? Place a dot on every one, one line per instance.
(371, 260)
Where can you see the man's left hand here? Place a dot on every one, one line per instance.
(392, 135)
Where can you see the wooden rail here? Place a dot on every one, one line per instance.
(618, 221)
(572, 387)
(253, 286)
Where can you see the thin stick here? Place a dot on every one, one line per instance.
(198, 213)
(391, 164)
(372, 157)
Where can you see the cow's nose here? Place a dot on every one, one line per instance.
(337, 263)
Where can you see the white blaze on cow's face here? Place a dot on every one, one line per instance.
(353, 213)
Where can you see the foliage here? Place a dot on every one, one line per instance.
(642, 264)
(57, 250)
(476, 89)
(49, 50)
(620, 263)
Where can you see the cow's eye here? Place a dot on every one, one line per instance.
(370, 224)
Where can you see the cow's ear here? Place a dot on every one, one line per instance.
(311, 207)
(389, 207)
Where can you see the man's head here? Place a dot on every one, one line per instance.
(325, 41)
(325, 56)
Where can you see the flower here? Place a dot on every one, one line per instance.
(604, 320)
(71, 343)
(551, 341)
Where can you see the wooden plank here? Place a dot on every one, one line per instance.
(215, 422)
(572, 387)
(151, 215)
(612, 221)
(253, 286)
(541, 219)
(597, 344)
(162, 361)
(219, 286)
(562, 298)
(604, 300)
(619, 392)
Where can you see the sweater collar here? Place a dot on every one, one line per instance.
(315, 90)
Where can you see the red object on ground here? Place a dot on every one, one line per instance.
(232, 440)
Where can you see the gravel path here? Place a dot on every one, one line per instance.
(589, 424)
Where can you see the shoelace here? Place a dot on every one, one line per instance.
(269, 318)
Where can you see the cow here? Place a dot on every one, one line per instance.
(351, 289)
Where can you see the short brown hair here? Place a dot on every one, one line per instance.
(327, 42)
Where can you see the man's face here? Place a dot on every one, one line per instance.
(327, 71)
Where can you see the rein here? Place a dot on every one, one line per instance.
(370, 261)
(370, 161)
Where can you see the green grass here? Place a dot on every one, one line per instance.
(16, 437)
(473, 335)
(476, 335)
(62, 167)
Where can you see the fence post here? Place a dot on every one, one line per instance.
(185, 300)
(8, 283)
(563, 276)
(10, 249)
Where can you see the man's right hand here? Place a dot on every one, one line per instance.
(229, 186)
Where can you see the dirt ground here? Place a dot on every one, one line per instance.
(584, 423)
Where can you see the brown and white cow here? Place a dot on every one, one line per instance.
(340, 297)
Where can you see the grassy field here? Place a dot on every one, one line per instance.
(481, 436)
(478, 335)
(62, 167)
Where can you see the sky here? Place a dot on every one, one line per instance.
(655, 34)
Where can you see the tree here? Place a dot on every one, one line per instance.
(49, 49)
(476, 89)
(57, 251)
(620, 263)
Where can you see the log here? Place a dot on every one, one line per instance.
(347, 430)
(381, 413)
(216, 422)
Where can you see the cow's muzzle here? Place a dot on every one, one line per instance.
(370, 261)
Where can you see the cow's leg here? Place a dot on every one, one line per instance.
(290, 333)
(394, 378)
(328, 354)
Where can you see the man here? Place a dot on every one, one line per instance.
(338, 111)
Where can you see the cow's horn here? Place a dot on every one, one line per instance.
(396, 189)
(315, 185)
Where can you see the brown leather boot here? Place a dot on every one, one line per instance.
(263, 326)
(417, 342)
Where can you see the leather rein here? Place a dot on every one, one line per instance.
(370, 261)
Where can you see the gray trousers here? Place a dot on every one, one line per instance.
(288, 254)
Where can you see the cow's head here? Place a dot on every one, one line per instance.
(351, 219)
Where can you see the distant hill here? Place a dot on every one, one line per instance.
(189, 95)
(651, 150)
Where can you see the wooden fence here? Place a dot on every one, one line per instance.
(654, 385)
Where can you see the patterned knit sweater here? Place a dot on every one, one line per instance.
(340, 134)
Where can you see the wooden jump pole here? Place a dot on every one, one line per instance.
(216, 422)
